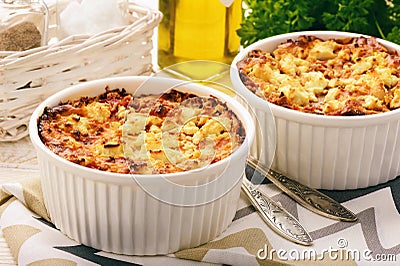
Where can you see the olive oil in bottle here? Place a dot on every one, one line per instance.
(198, 30)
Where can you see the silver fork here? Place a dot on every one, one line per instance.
(309, 198)
(280, 220)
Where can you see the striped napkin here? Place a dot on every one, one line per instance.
(373, 239)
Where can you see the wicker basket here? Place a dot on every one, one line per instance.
(28, 77)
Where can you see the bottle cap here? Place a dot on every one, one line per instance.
(227, 3)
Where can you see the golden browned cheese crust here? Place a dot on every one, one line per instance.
(353, 76)
(149, 134)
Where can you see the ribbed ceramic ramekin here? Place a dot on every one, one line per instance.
(323, 151)
(140, 214)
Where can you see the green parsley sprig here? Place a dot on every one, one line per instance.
(265, 18)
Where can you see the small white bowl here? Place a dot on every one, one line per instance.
(140, 214)
(324, 152)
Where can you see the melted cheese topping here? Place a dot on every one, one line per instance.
(356, 76)
(149, 134)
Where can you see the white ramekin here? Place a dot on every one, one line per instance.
(116, 212)
(323, 151)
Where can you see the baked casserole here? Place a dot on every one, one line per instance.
(148, 134)
(339, 77)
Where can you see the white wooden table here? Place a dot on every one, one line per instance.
(17, 161)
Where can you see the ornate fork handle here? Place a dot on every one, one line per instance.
(280, 220)
(308, 197)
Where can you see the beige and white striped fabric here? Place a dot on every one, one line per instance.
(373, 240)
